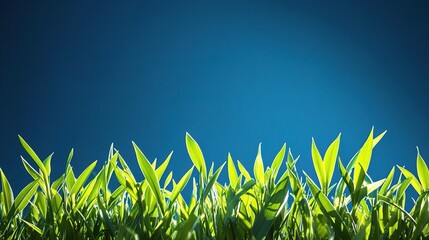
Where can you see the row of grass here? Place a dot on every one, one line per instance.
(268, 204)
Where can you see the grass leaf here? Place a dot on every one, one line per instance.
(422, 171)
(82, 178)
(277, 162)
(318, 164)
(150, 176)
(330, 159)
(363, 160)
(180, 185)
(196, 155)
(258, 167)
(6, 191)
(232, 171)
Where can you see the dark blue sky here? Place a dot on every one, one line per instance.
(84, 75)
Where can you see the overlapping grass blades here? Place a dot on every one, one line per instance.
(277, 202)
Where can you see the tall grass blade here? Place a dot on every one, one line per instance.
(180, 185)
(82, 178)
(363, 160)
(232, 171)
(150, 176)
(6, 191)
(196, 155)
(329, 159)
(258, 167)
(33, 155)
(318, 164)
(422, 171)
(277, 162)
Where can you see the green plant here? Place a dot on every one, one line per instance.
(271, 204)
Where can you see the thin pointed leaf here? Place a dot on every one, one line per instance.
(161, 169)
(328, 210)
(150, 176)
(422, 171)
(330, 158)
(180, 185)
(278, 159)
(82, 178)
(388, 181)
(414, 182)
(33, 155)
(363, 160)
(33, 173)
(196, 155)
(258, 167)
(318, 164)
(7, 192)
(243, 171)
(211, 182)
(232, 171)
(47, 163)
(23, 198)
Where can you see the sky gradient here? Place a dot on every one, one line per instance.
(84, 75)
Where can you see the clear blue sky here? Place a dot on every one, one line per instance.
(85, 74)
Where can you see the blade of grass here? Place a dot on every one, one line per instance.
(363, 160)
(82, 178)
(232, 171)
(333, 217)
(277, 162)
(422, 171)
(7, 192)
(196, 155)
(318, 164)
(23, 199)
(258, 167)
(329, 160)
(243, 171)
(414, 182)
(180, 185)
(150, 176)
(33, 155)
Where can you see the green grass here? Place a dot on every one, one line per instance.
(270, 204)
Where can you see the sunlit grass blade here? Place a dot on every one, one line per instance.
(423, 220)
(329, 160)
(243, 171)
(277, 162)
(161, 169)
(414, 182)
(188, 227)
(387, 183)
(232, 171)
(258, 167)
(47, 163)
(422, 171)
(32, 226)
(6, 191)
(33, 173)
(33, 155)
(394, 204)
(23, 198)
(196, 155)
(150, 176)
(180, 185)
(82, 178)
(318, 164)
(265, 218)
(329, 211)
(211, 182)
(363, 160)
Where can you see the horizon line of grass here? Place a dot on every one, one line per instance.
(268, 204)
